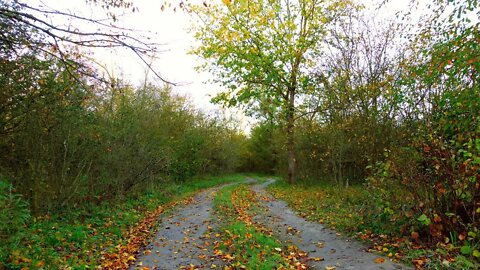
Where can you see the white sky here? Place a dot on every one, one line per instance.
(171, 29)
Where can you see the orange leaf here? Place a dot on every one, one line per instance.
(415, 235)
(229, 257)
(379, 260)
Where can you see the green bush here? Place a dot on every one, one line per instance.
(14, 215)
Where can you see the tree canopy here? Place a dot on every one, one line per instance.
(263, 52)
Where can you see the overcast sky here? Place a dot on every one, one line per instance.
(171, 29)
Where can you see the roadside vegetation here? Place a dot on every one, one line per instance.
(388, 230)
(109, 234)
(76, 159)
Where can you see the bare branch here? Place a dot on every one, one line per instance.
(53, 39)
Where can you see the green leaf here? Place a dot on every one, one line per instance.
(424, 220)
(476, 253)
(466, 250)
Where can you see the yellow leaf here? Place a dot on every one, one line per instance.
(131, 258)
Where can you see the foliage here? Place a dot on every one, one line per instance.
(405, 123)
(441, 172)
(262, 52)
(439, 164)
(66, 143)
(340, 152)
(262, 149)
(14, 216)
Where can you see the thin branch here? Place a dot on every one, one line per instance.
(59, 36)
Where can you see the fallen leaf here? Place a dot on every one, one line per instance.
(419, 262)
(379, 260)
(229, 257)
(414, 235)
(131, 258)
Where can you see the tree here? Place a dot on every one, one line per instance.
(42, 31)
(262, 51)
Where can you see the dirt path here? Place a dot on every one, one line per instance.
(314, 238)
(184, 239)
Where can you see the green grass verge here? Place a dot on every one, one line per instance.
(75, 238)
(250, 248)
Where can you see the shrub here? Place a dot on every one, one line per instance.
(14, 215)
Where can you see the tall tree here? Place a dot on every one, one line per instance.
(262, 52)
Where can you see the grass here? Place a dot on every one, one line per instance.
(246, 245)
(80, 237)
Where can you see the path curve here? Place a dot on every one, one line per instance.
(314, 238)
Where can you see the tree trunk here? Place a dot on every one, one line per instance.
(290, 136)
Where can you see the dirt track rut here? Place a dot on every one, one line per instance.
(185, 239)
(314, 238)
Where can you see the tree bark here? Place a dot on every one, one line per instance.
(290, 136)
